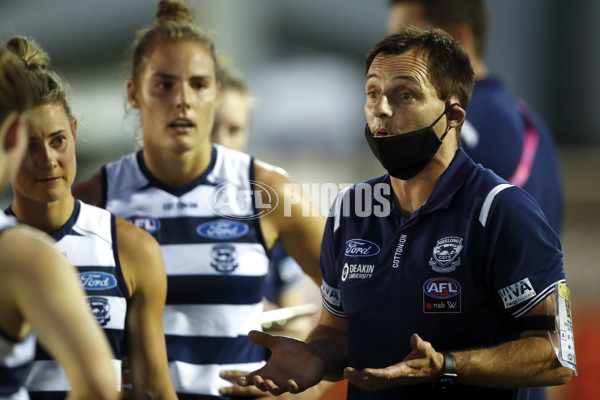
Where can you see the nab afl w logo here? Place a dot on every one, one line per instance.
(445, 254)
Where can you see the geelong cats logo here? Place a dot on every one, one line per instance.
(445, 254)
(100, 309)
(224, 258)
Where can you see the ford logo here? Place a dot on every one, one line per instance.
(95, 280)
(222, 229)
(441, 288)
(361, 248)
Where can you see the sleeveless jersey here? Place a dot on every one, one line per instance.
(16, 356)
(215, 261)
(88, 240)
(460, 271)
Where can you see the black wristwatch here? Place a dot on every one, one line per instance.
(448, 375)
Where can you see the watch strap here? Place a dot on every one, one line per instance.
(448, 375)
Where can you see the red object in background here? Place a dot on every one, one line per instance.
(337, 391)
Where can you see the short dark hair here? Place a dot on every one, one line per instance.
(443, 13)
(450, 70)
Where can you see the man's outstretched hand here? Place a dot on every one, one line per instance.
(293, 367)
(422, 365)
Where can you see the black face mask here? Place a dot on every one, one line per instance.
(406, 154)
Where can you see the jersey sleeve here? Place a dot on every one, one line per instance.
(524, 251)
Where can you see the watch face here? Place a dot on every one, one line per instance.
(448, 374)
(446, 382)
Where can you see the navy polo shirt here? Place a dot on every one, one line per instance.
(459, 272)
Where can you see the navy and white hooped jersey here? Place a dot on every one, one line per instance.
(460, 271)
(215, 260)
(16, 356)
(88, 240)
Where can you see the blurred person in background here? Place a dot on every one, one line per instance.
(501, 132)
(232, 117)
(285, 285)
(120, 265)
(440, 280)
(216, 212)
(40, 295)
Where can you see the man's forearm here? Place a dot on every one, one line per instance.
(521, 363)
(330, 345)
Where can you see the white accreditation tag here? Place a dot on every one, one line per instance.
(564, 323)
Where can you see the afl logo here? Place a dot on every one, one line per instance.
(94, 280)
(441, 288)
(243, 200)
(222, 229)
(149, 224)
(361, 248)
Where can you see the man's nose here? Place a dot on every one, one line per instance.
(383, 108)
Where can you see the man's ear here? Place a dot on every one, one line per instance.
(15, 124)
(455, 115)
(132, 94)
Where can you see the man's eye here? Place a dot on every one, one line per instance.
(198, 85)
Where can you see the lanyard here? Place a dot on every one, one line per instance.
(530, 144)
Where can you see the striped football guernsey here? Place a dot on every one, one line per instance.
(16, 356)
(88, 240)
(215, 260)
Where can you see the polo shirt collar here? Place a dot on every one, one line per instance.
(450, 183)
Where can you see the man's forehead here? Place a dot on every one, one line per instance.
(410, 64)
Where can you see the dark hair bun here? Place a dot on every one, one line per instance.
(173, 11)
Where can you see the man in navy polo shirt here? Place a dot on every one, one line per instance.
(440, 279)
